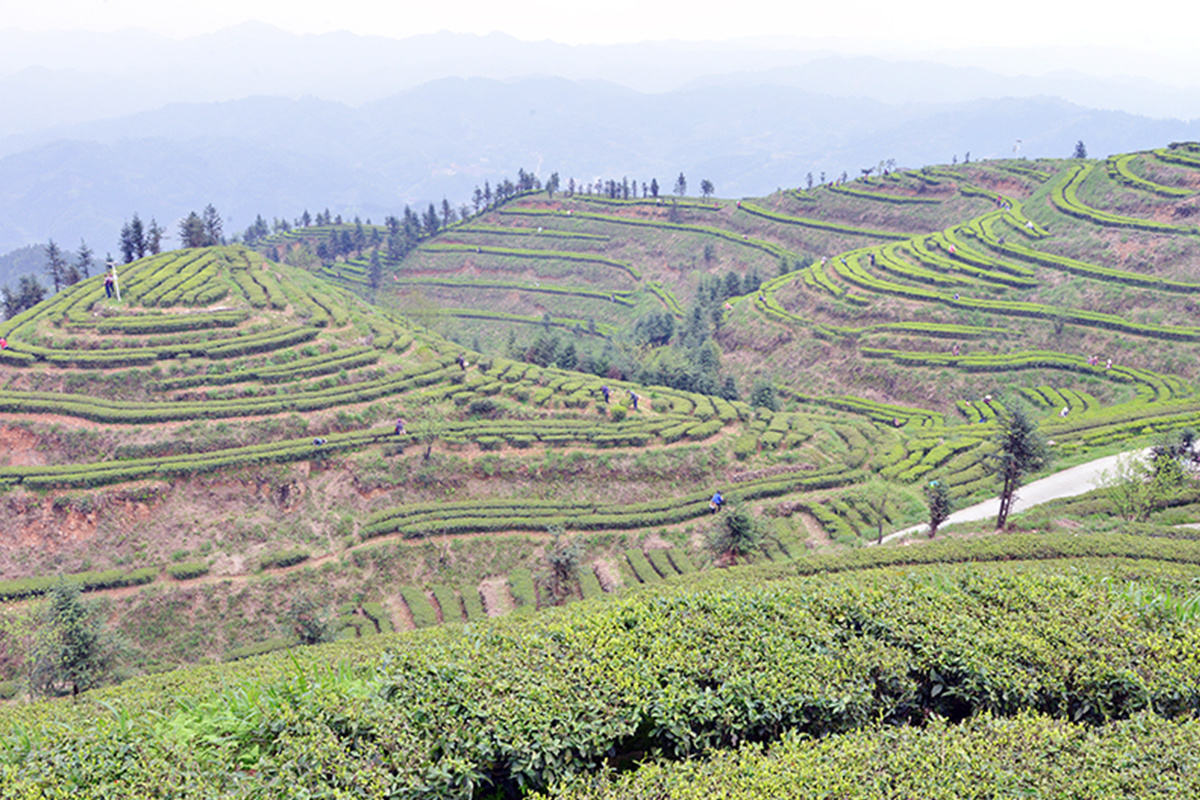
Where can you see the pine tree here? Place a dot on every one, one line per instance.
(127, 244)
(28, 294)
(375, 270)
(154, 237)
(213, 234)
(1080, 150)
(56, 265)
(1020, 449)
(191, 232)
(84, 260)
(137, 234)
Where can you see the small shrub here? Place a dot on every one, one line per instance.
(188, 570)
(282, 558)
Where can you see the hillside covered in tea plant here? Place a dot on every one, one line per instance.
(350, 431)
(223, 435)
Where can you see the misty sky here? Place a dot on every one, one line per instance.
(919, 23)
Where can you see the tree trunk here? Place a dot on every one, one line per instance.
(1006, 498)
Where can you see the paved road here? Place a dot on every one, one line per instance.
(1068, 483)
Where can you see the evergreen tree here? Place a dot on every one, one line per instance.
(154, 237)
(707, 188)
(763, 395)
(568, 358)
(28, 294)
(681, 185)
(431, 220)
(213, 234)
(1020, 449)
(654, 187)
(127, 244)
(375, 271)
(562, 557)
(1080, 150)
(191, 233)
(56, 266)
(137, 234)
(84, 260)
(739, 535)
(308, 622)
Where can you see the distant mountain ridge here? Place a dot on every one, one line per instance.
(277, 156)
(258, 120)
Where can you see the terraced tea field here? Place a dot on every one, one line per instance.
(222, 439)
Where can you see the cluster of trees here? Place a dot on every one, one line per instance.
(68, 273)
(138, 240)
(346, 243)
(882, 168)
(27, 295)
(623, 189)
(662, 352)
(1138, 486)
(261, 229)
(202, 230)
(61, 271)
(487, 197)
(61, 644)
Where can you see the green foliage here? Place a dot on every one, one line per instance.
(307, 620)
(561, 575)
(937, 498)
(1020, 449)
(764, 395)
(187, 570)
(825, 647)
(20, 588)
(1030, 755)
(282, 558)
(423, 613)
(72, 653)
(523, 589)
(737, 535)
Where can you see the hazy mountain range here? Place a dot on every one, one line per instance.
(256, 120)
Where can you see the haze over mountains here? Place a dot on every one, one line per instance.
(257, 120)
